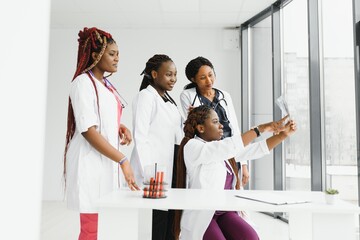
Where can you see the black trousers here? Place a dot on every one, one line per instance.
(162, 228)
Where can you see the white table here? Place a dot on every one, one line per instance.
(126, 215)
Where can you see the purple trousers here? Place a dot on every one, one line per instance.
(229, 226)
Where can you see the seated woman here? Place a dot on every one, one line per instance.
(203, 163)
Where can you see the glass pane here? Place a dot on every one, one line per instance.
(339, 94)
(261, 109)
(296, 92)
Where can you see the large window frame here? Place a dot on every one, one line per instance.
(318, 169)
(356, 22)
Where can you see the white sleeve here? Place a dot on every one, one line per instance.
(142, 120)
(84, 103)
(232, 115)
(197, 152)
(179, 134)
(253, 151)
(185, 102)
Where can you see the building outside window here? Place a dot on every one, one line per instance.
(339, 98)
(296, 91)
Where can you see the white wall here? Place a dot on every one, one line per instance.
(22, 101)
(136, 47)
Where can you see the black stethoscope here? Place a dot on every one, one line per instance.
(215, 105)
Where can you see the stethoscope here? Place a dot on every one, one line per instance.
(214, 106)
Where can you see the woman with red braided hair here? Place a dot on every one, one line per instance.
(204, 163)
(94, 130)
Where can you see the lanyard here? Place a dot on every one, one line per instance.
(117, 96)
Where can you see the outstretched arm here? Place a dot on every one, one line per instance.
(275, 127)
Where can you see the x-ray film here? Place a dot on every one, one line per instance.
(281, 102)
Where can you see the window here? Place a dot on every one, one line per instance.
(339, 98)
(296, 92)
(261, 109)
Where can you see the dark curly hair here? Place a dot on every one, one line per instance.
(153, 64)
(192, 68)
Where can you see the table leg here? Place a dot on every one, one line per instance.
(115, 224)
(300, 226)
(145, 224)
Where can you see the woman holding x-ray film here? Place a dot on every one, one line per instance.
(200, 72)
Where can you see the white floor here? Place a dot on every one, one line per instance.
(59, 223)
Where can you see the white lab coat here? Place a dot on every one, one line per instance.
(206, 169)
(156, 129)
(89, 174)
(187, 98)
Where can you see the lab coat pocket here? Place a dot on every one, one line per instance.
(91, 172)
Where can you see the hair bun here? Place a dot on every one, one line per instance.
(87, 32)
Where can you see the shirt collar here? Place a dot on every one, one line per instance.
(199, 138)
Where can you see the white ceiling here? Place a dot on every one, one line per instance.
(154, 13)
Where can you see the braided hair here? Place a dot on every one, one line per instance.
(196, 116)
(192, 68)
(90, 40)
(153, 64)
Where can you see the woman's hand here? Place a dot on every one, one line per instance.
(275, 127)
(290, 128)
(125, 135)
(245, 174)
(129, 175)
(191, 107)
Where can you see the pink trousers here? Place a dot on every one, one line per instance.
(89, 226)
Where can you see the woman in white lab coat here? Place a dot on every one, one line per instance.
(203, 162)
(94, 129)
(200, 72)
(157, 129)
